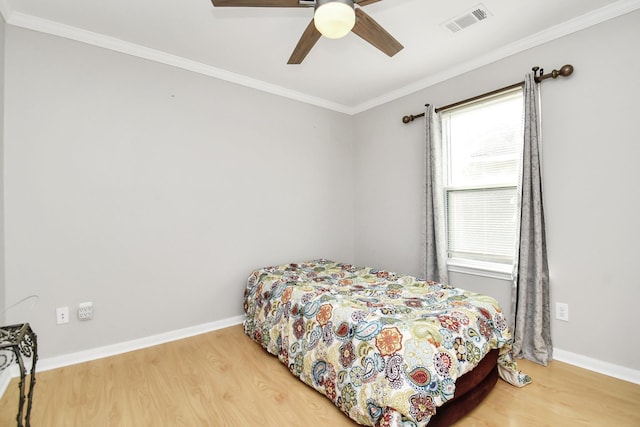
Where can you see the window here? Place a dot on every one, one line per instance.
(482, 155)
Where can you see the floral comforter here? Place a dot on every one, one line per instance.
(385, 348)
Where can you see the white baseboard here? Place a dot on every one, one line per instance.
(112, 350)
(605, 368)
(5, 379)
(137, 344)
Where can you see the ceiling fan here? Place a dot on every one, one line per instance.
(333, 19)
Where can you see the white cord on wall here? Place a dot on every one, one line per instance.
(34, 297)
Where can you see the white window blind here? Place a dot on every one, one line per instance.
(483, 148)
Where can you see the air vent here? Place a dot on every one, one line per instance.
(476, 14)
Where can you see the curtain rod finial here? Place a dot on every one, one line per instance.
(566, 70)
(410, 118)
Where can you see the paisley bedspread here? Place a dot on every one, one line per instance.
(385, 348)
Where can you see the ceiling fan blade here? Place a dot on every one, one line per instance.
(366, 2)
(258, 3)
(309, 38)
(369, 30)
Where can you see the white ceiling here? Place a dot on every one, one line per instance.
(251, 46)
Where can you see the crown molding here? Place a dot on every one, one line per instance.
(41, 25)
(587, 20)
(34, 23)
(5, 10)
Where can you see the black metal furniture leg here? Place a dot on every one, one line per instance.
(20, 342)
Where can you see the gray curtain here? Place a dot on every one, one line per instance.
(532, 335)
(434, 239)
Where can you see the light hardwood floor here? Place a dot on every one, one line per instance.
(223, 378)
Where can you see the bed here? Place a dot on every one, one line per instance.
(388, 350)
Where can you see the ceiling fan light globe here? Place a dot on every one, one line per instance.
(334, 19)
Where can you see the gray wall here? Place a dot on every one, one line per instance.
(590, 173)
(3, 300)
(153, 191)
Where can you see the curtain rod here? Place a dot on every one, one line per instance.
(565, 71)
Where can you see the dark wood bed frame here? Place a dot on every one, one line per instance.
(471, 389)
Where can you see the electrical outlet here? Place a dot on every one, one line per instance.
(85, 311)
(562, 311)
(62, 315)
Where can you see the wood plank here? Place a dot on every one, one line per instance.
(372, 32)
(309, 38)
(223, 378)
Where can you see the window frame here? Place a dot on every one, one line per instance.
(484, 268)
